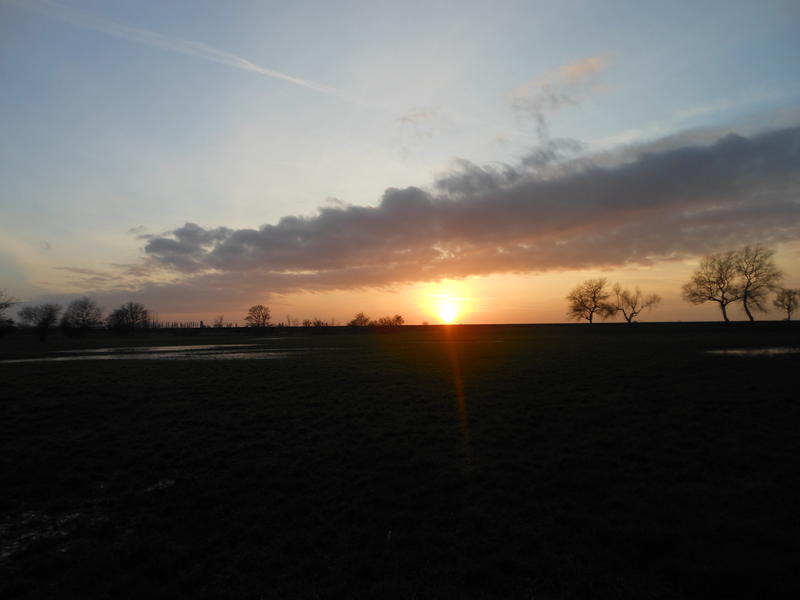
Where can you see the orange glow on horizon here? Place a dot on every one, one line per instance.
(448, 311)
(447, 300)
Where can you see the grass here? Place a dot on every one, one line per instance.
(440, 462)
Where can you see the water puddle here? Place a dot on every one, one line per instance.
(194, 352)
(755, 351)
(184, 355)
(132, 349)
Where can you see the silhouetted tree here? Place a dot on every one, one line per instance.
(394, 321)
(6, 302)
(81, 314)
(787, 300)
(715, 280)
(258, 316)
(587, 299)
(360, 320)
(759, 276)
(630, 304)
(219, 322)
(42, 317)
(129, 317)
(307, 323)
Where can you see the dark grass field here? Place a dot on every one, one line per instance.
(442, 462)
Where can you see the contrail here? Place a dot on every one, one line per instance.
(157, 40)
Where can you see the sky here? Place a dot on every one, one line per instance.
(391, 157)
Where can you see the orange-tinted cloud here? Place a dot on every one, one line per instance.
(672, 202)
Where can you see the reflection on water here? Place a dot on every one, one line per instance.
(202, 354)
(131, 349)
(756, 351)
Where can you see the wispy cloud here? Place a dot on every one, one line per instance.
(417, 116)
(169, 43)
(726, 104)
(555, 90)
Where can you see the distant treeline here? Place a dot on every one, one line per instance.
(84, 314)
(260, 316)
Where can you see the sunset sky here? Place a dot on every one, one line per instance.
(325, 158)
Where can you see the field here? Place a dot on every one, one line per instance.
(580, 461)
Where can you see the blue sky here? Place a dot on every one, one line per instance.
(119, 119)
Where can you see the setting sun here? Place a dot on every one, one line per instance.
(449, 301)
(448, 311)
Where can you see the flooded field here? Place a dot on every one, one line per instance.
(569, 462)
(183, 352)
(756, 351)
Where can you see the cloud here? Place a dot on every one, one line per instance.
(556, 90)
(651, 203)
(171, 44)
(728, 103)
(88, 277)
(578, 70)
(416, 116)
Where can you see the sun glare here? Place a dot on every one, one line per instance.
(448, 312)
(448, 301)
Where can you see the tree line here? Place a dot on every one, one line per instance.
(748, 276)
(81, 315)
(260, 316)
(84, 314)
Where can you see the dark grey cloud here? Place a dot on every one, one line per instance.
(177, 250)
(662, 204)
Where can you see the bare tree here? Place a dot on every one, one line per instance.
(630, 304)
(42, 317)
(219, 322)
(129, 317)
(787, 300)
(715, 280)
(81, 314)
(258, 316)
(759, 275)
(360, 320)
(587, 299)
(6, 302)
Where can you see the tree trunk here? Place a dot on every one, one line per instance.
(746, 307)
(724, 312)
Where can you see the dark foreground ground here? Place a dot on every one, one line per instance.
(461, 462)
